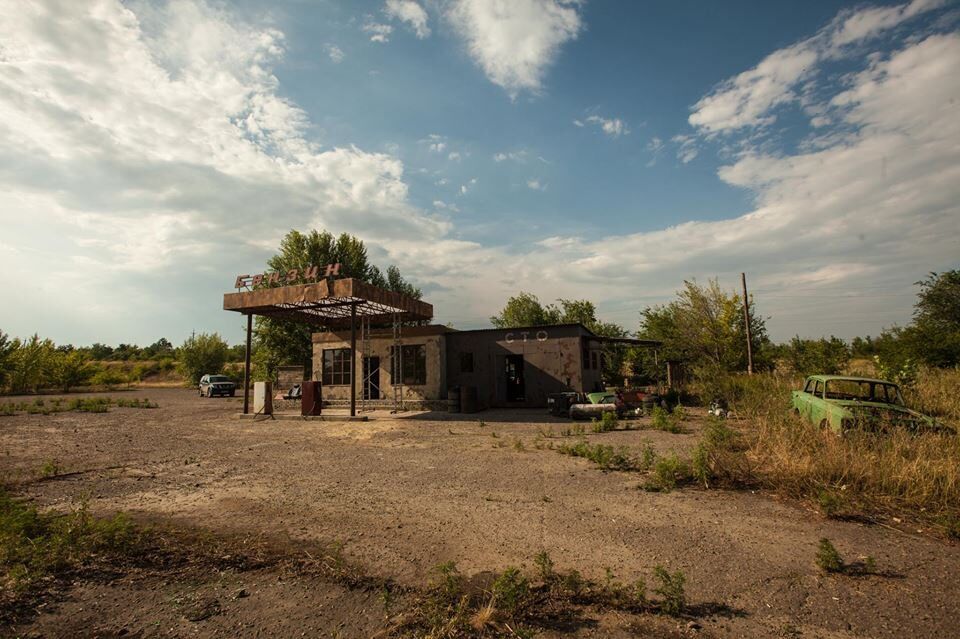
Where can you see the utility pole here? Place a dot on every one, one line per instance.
(746, 319)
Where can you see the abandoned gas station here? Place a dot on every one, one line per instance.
(375, 349)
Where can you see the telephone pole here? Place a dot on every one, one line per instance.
(746, 320)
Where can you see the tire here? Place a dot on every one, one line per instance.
(233, 393)
(210, 393)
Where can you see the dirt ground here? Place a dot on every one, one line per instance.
(403, 494)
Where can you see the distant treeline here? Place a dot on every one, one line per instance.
(33, 364)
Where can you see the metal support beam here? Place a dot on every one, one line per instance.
(353, 360)
(246, 367)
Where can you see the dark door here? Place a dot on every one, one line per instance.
(371, 378)
(514, 378)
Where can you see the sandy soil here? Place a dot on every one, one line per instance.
(403, 494)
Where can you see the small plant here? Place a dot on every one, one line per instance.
(518, 445)
(679, 413)
(668, 472)
(831, 502)
(49, 469)
(483, 424)
(662, 420)
(510, 591)
(639, 593)
(674, 600)
(607, 457)
(827, 558)
(544, 564)
(606, 423)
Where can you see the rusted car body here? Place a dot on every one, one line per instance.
(846, 403)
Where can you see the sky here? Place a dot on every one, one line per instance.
(152, 151)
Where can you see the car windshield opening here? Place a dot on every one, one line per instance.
(219, 378)
(864, 391)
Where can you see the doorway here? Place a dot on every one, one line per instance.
(371, 378)
(514, 378)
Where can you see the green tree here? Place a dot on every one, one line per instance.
(70, 369)
(816, 356)
(281, 342)
(30, 364)
(704, 328)
(7, 347)
(525, 309)
(202, 354)
(934, 335)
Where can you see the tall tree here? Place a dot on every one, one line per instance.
(704, 327)
(284, 342)
(525, 309)
(202, 354)
(934, 335)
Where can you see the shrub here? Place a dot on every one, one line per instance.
(662, 420)
(545, 565)
(827, 558)
(202, 354)
(35, 545)
(510, 591)
(667, 473)
(607, 457)
(674, 600)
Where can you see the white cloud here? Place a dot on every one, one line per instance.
(687, 149)
(454, 156)
(464, 188)
(440, 205)
(336, 53)
(613, 127)
(410, 12)
(579, 123)
(147, 156)
(750, 98)
(377, 31)
(515, 156)
(536, 185)
(515, 41)
(655, 144)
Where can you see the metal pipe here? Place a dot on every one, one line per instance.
(246, 367)
(353, 360)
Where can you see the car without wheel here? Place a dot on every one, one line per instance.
(843, 404)
(211, 385)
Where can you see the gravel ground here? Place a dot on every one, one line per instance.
(404, 493)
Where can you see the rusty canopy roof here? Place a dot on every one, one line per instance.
(319, 305)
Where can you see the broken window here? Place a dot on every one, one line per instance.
(413, 359)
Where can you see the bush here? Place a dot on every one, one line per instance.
(827, 558)
(607, 457)
(674, 600)
(35, 545)
(202, 354)
(510, 591)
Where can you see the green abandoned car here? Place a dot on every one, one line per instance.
(848, 403)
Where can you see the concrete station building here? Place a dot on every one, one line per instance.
(415, 364)
(515, 367)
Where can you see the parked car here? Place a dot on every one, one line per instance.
(211, 385)
(845, 403)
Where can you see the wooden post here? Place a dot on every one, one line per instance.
(246, 367)
(353, 360)
(746, 319)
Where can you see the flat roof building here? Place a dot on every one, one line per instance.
(514, 367)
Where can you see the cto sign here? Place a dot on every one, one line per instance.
(540, 336)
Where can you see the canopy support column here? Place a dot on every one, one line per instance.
(353, 360)
(246, 367)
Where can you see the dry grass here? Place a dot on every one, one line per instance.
(915, 477)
